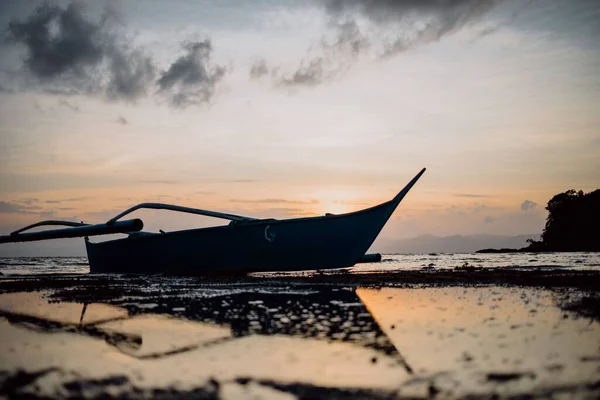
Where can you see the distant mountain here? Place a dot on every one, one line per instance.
(450, 244)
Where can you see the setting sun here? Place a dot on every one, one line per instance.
(339, 200)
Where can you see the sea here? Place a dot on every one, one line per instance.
(389, 262)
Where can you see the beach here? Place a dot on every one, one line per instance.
(462, 332)
(324, 199)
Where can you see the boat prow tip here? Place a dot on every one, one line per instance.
(409, 186)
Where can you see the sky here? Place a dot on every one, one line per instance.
(296, 108)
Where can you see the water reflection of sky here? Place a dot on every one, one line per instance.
(395, 341)
(471, 333)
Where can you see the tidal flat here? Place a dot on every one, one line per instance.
(462, 333)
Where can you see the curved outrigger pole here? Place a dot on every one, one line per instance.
(77, 229)
(81, 229)
(48, 223)
(189, 210)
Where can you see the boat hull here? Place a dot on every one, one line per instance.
(330, 241)
(333, 241)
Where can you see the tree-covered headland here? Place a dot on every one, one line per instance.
(573, 224)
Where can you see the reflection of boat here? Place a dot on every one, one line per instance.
(245, 245)
(268, 336)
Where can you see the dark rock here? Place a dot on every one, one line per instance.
(433, 391)
(508, 376)
(495, 251)
(10, 384)
(242, 380)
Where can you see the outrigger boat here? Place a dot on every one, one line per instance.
(244, 245)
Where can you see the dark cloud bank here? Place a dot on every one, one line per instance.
(406, 24)
(68, 52)
(191, 78)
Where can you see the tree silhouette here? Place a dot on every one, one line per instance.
(573, 223)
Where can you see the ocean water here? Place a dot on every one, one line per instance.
(390, 262)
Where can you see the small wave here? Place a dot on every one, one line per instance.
(18, 262)
(531, 267)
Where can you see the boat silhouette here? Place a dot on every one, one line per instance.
(244, 245)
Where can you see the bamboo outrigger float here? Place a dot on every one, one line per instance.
(244, 245)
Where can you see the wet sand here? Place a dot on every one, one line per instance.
(461, 333)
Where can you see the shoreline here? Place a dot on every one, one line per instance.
(457, 276)
(89, 288)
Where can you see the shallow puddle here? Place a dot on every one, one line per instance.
(162, 335)
(133, 352)
(281, 341)
(37, 304)
(507, 340)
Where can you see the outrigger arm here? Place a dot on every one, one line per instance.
(172, 207)
(48, 223)
(81, 229)
(77, 229)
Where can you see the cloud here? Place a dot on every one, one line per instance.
(191, 79)
(28, 200)
(15, 208)
(259, 69)
(162, 182)
(447, 14)
(333, 57)
(310, 74)
(349, 38)
(131, 74)
(382, 28)
(231, 181)
(488, 31)
(68, 105)
(274, 201)
(68, 53)
(202, 181)
(58, 40)
(47, 214)
(410, 23)
(10, 208)
(472, 195)
(5, 90)
(483, 207)
(528, 205)
(72, 199)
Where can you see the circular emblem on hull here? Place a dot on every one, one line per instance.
(269, 236)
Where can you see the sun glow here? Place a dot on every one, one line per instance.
(339, 200)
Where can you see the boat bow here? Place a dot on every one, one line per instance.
(409, 186)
